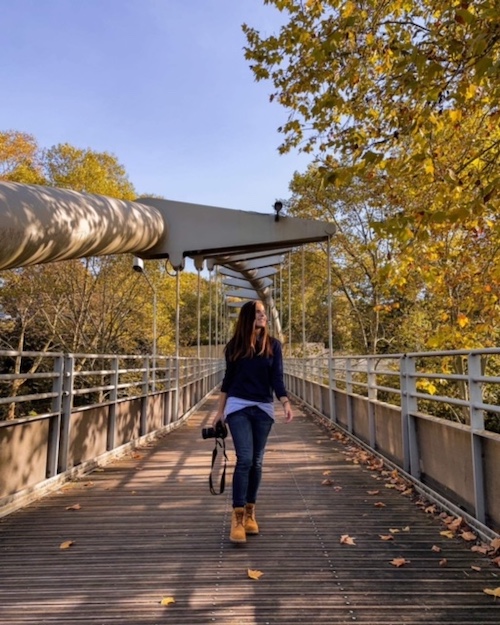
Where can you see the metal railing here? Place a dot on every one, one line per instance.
(60, 413)
(434, 415)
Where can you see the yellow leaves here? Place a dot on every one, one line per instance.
(447, 534)
(76, 506)
(167, 601)
(470, 91)
(462, 320)
(254, 574)
(429, 166)
(455, 115)
(495, 592)
(66, 544)
(349, 9)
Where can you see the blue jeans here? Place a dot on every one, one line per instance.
(249, 428)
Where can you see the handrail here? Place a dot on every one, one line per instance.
(81, 409)
(442, 410)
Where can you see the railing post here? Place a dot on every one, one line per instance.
(476, 427)
(331, 388)
(145, 397)
(348, 390)
(411, 461)
(371, 377)
(67, 406)
(55, 422)
(113, 396)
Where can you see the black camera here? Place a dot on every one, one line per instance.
(219, 431)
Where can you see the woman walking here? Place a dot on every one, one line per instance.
(254, 372)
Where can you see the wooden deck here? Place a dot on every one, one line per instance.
(146, 528)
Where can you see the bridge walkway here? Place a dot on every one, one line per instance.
(343, 540)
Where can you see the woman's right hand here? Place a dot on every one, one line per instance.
(218, 417)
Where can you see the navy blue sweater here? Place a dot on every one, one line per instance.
(256, 378)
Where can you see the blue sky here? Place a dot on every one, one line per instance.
(161, 84)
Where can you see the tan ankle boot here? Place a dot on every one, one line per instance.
(238, 534)
(251, 526)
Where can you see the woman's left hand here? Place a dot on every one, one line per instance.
(288, 412)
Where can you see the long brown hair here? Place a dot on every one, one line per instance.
(248, 340)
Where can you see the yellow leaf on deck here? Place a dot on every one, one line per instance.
(492, 591)
(447, 534)
(345, 539)
(167, 601)
(468, 536)
(397, 562)
(386, 536)
(253, 574)
(495, 543)
(436, 549)
(76, 506)
(66, 544)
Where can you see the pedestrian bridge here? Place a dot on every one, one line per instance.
(112, 520)
(374, 509)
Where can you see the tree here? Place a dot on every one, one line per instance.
(384, 86)
(87, 171)
(369, 308)
(20, 158)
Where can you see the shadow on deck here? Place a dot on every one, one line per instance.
(146, 527)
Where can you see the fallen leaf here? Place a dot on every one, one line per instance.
(394, 530)
(327, 482)
(167, 601)
(447, 534)
(406, 529)
(436, 549)
(468, 536)
(431, 509)
(496, 560)
(328, 472)
(386, 536)
(337, 489)
(66, 544)
(455, 524)
(480, 549)
(252, 574)
(345, 539)
(408, 491)
(495, 544)
(390, 486)
(76, 506)
(379, 504)
(399, 562)
(443, 562)
(492, 591)
(373, 492)
(475, 568)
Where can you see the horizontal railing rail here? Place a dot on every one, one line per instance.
(61, 412)
(434, 415)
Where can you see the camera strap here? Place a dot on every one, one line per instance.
(222, 444)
